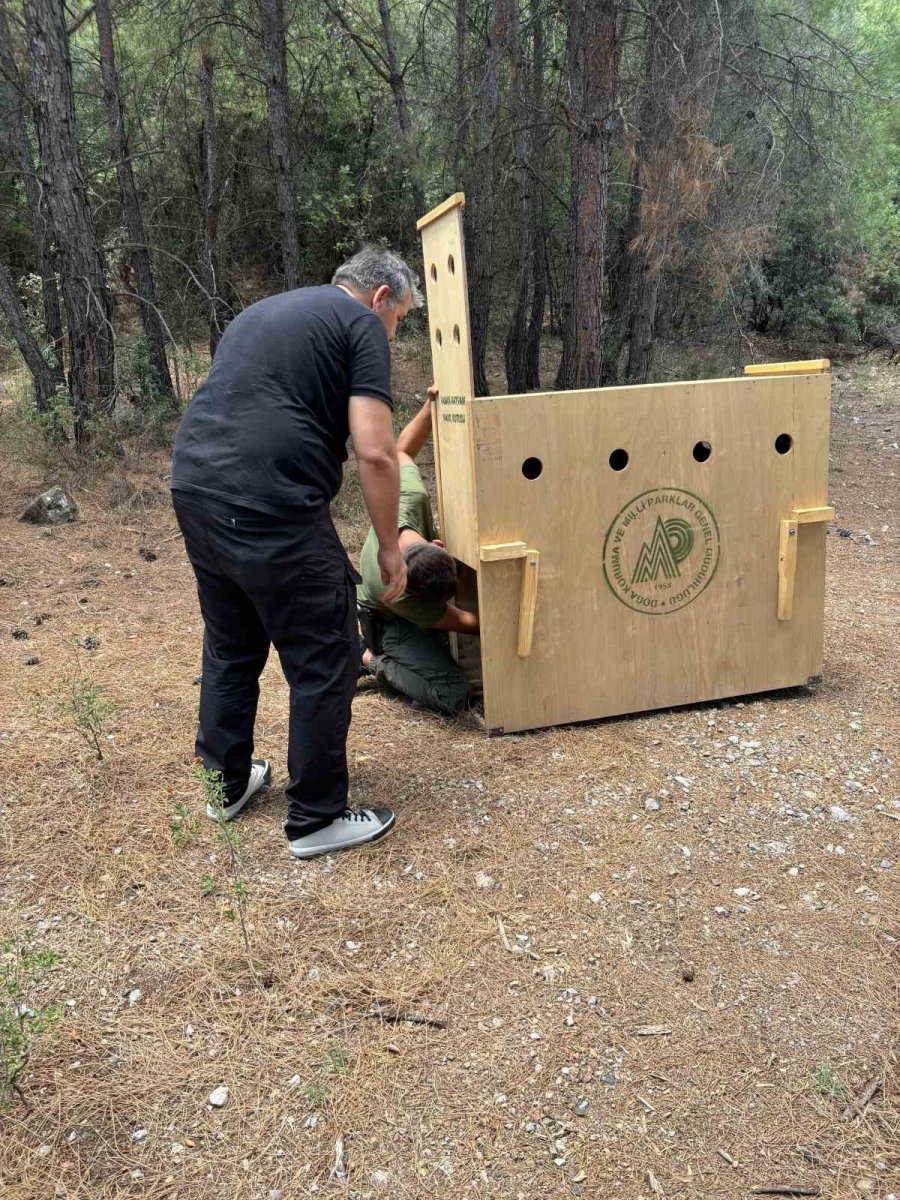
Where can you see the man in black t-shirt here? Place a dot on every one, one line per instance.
(258, 459)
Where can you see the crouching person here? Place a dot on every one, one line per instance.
(405, 642)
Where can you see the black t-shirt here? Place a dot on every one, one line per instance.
(268, 428)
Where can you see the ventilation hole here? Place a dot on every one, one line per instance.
(618, 460)
(532, 467)
(451, 265)
(784, 443)
(433, 272)
(702, 451)
(456, 334)
(438, 337)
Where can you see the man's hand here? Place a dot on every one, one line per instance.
(433, 392)
(393, 573)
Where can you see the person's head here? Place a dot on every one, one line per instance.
(383, 282)
(430, 571)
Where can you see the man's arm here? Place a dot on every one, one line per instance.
(379, 476)
(457, 620)
(414, 435)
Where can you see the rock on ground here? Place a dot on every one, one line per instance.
(53, 507)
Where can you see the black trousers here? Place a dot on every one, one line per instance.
(263, 580)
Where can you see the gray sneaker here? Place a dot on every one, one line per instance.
(357, 827)
(260, 777)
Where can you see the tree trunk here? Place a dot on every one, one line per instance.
(480, 214)
(674, 165)
(592, 59)
(213, 189)
(83, 275)
(21, 152)
(154, 330)
(526, 241)
(641, 290)
(536, 207)
(397, 84)
(281, 136)
(47, 377)
(461, 133)
(522, 351)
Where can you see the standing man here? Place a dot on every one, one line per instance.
(258, 458)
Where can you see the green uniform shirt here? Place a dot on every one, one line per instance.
(415, 514)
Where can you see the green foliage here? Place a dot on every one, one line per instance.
(828, 1085)
(336, 1060)
(22, 1022)
(86, 706)
(184, 826)
(316, 1093)
(213, 791)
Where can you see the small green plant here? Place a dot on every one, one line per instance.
(183, 826)
(21, 1024)
(238, 893)
(316, 1093)
(828, 1084)
(336, 1060)
(208, 885)
(88, 708)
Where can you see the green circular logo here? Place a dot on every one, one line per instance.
(661, 551)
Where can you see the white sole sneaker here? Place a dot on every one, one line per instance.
(357, 827)
(260, 777)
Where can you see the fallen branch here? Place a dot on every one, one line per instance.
(787, 1189)
(398, 1015)
(653, 1031)
(339, 1170)
(518, 951)
(866, 1096)
(811, 1154)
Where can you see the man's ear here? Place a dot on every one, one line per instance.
(380, 297)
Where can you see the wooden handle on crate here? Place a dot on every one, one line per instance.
(787, 553)
(503, 552)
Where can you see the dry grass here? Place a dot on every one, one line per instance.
(600, 913)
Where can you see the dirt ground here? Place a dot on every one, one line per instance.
(645, 957)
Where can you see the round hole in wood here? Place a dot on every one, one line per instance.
(784, 443)
(438, 337)
(532, 468)
(433, 272)
(702, 451)
(456, 334)
(618, 460)
(451, 265)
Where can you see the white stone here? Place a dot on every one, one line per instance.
(218, 1097)
(839, 814)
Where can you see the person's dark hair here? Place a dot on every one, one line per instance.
(430, 572)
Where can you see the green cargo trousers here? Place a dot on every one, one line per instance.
(415, 662)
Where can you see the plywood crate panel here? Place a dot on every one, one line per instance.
(675, 531)
(696, 618)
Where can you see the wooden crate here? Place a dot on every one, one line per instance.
(634, 547)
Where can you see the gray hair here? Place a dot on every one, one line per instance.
(374, 266)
